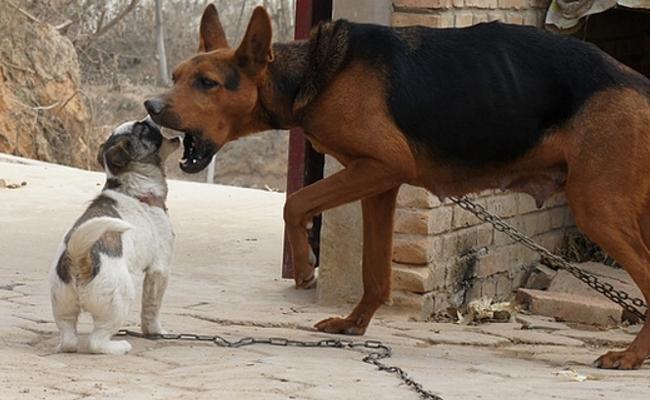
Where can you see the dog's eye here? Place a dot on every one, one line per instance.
(207, 83)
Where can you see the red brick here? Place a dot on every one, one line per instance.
(531, 19)
(459, 242)
(539, 3)
(504, 205)
(418, 306)
(432, 20)
(481, 3)
(515, 4)
(479, 18)
(417, 251)
(434, 4)
(414, 221)
(514, 18)
(503, 259)
(496, 16)
(570, 307)
(551, 240)
(537, 223)
(501, 238)
(525, 203)
(415, 197)
(462, 20)
(422, 221)
(413, 279)
(463, 218)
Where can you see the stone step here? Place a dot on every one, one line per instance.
(571, 307)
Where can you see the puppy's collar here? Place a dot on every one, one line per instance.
(152, 200)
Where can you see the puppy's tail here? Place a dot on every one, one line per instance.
(82, 240)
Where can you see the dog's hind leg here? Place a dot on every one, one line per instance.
(378, 212)
(153, 289)
(608, 190)
(99, 340)
(619, 234)
(65, 307)
(109, 302)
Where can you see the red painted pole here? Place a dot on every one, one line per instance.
(308, 14)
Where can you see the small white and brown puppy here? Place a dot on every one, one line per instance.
(125, 230)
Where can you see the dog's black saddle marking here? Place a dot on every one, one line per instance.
(487, 93)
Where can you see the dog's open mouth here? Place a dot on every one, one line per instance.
(197, 153)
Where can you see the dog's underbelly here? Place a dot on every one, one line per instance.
(541, 173)
(540, 184)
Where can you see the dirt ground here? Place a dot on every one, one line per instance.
(226, 281)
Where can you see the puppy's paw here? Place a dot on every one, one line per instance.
(68, 346)
(118, 347)
(153, 328)
(115, 347)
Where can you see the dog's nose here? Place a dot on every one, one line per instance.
(154, 106)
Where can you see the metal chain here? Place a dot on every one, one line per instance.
(378, 351)
(619, 297)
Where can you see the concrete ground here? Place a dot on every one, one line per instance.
(226, 281)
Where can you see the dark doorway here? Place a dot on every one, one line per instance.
(622, 33)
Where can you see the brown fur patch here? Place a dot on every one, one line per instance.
(327, 56)
(109, 244)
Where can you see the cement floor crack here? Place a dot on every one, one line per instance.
(248, 323)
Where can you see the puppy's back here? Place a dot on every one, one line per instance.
(98, 231)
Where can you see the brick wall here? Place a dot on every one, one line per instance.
(459, 13)
(442, 255)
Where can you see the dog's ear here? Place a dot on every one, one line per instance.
(211, 34)
(117, 156)
(254, 52)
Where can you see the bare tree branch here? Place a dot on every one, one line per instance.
(25, 13)
(110, 24)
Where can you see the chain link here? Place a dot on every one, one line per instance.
(619, 297)
(378, 351)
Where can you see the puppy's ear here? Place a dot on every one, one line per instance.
(254, 52)
(211, 34)
(117, 156)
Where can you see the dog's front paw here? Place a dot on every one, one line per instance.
(308, 282)
(339, 325)
(305, 276)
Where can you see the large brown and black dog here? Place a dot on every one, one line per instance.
(451, 110)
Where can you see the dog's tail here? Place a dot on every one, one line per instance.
(82, 240)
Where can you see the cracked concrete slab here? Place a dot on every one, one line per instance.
(225, 281)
